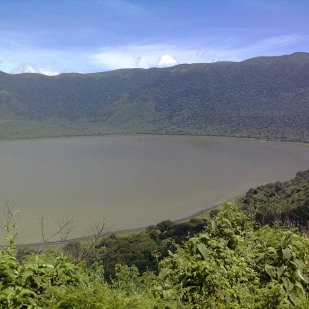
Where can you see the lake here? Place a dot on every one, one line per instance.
(133, 181)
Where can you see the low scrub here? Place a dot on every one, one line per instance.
(231, 264)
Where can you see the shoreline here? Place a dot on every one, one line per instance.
(130, 230)
(149, 134)
(139, 228)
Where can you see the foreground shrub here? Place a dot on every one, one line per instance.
(50, 281)
(231, 265)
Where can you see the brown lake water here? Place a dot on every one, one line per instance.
(134, 181)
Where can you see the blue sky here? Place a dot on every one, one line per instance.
(56, 36)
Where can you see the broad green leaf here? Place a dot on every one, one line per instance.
(271, 250)
(301, 276)
(9, 292)
(27, 274)
(164, 273)
(300, 245)
(203, 250)
(259, 257)
(287, 254)
(300, 287)
(288, 285)
(270, 270)
(294, 299)
(26, 292)
(280, 271)
(299, 264)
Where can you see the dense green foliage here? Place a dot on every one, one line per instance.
(283, 202)
(231, 264)
(51, 281)
(144, 249)
(264, 97)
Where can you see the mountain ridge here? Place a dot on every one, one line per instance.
(262, 97)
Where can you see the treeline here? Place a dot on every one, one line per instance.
(264, 98)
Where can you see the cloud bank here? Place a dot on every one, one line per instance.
(33, 68)
(165, 55)
(52, 62)
(146, 56)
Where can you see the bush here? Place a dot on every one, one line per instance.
(231, 265)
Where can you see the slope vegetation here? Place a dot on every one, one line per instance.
(230, 264)
(284, 202)
(265, 97)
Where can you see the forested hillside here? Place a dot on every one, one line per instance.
(284, 202)
(265, 97)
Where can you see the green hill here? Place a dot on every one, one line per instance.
(265, 97)
(284, 202)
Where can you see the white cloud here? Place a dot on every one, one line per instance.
(167, 61)
(33, 68)
(143, 56)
